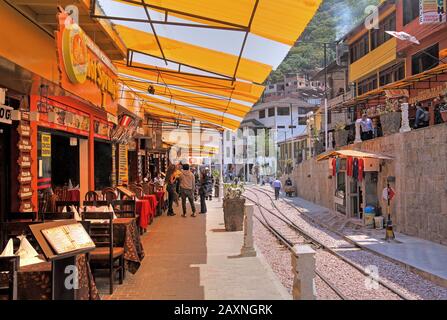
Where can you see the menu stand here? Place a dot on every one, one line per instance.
(59, 262)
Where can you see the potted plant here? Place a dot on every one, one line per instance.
(390, 118)
(234, 206)
(341, 135)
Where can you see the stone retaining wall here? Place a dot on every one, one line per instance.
(420, 167)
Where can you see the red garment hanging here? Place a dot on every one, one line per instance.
(349, 167)
(334, 164)
(361, 169)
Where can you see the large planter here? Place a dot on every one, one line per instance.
(341, 137)
(234, 214)
(390, 122)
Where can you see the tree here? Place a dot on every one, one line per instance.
(331, 22)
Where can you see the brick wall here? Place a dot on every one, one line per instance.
(420, 167)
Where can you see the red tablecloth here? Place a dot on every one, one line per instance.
(73, 195)
(160, 195)
(144, 210)
(152, 198)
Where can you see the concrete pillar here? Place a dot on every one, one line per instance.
(358, 137)
(303, 268)
(248, 249)
(405, 127)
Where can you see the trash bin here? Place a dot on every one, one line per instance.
(368, 216)
(378, 222)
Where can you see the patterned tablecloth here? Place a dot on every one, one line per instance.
(127, 235)
(34, 281)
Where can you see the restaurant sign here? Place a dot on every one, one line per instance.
(84, 69)
(431, 11)
(5, 114)
(427, 94)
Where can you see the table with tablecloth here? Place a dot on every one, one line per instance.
(34, 281)
(145, 212)
(152, 198)
(160, 200)
(73, 195)
(126, 235)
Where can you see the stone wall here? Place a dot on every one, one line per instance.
(420, 168)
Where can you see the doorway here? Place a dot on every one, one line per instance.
(5, 170)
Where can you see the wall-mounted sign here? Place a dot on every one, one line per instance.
(84, 69)
(427, 94)
(65, 117)
(46, 145)
(431, 11)
(5, 114)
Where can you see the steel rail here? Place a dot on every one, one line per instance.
(331, 250)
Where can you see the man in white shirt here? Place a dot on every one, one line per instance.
(367, 128)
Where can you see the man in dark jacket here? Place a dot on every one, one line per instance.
(187, 186)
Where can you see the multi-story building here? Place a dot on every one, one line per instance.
(296, 86)
(265, 125)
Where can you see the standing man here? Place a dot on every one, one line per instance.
(187, 186)
(367, 128)
(277, 186)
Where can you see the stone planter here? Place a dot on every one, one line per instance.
(234, 214)
(341, 137)
(390, 122)
(444, 115)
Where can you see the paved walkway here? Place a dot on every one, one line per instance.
(424, 257)
(195, 258)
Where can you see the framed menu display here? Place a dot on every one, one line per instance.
(68, 238)
(61, 242)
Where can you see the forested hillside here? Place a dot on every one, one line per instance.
(333, 20)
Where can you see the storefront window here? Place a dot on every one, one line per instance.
(425, 60)
(411, 10)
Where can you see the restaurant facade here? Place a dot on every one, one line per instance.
(63, 110)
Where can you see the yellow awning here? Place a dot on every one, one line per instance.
(352, 153)
(204, 58)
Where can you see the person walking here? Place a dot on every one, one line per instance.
(203, 191)
(171, 184)
(187, 186)
(277, 186)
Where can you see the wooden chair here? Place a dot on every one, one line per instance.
(105, 255)
(61, 204)
(62, 193)
(53, 216)
(10, 265)
(19, 216)
(98, 203)
(91, 196)
(109, 194)
(47, 201)
(138, 192)
(11, 230)
(124, 208)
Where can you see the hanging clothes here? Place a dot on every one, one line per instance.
(349, 167)
(355, 168)
(361, 169)
(334, 166)
(337, 165)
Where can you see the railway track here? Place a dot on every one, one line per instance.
(287, 235)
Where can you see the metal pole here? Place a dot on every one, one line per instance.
(326, 140)
(221, 167)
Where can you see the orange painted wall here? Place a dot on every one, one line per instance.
(26, 45)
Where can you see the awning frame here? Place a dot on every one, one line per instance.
(344, 153)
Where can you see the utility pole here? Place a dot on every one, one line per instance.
(325, 100)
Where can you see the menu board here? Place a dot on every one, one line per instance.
(24, 161)
(68, 238)
(123, 173)
(113, 165)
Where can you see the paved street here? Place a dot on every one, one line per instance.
(194, 258)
